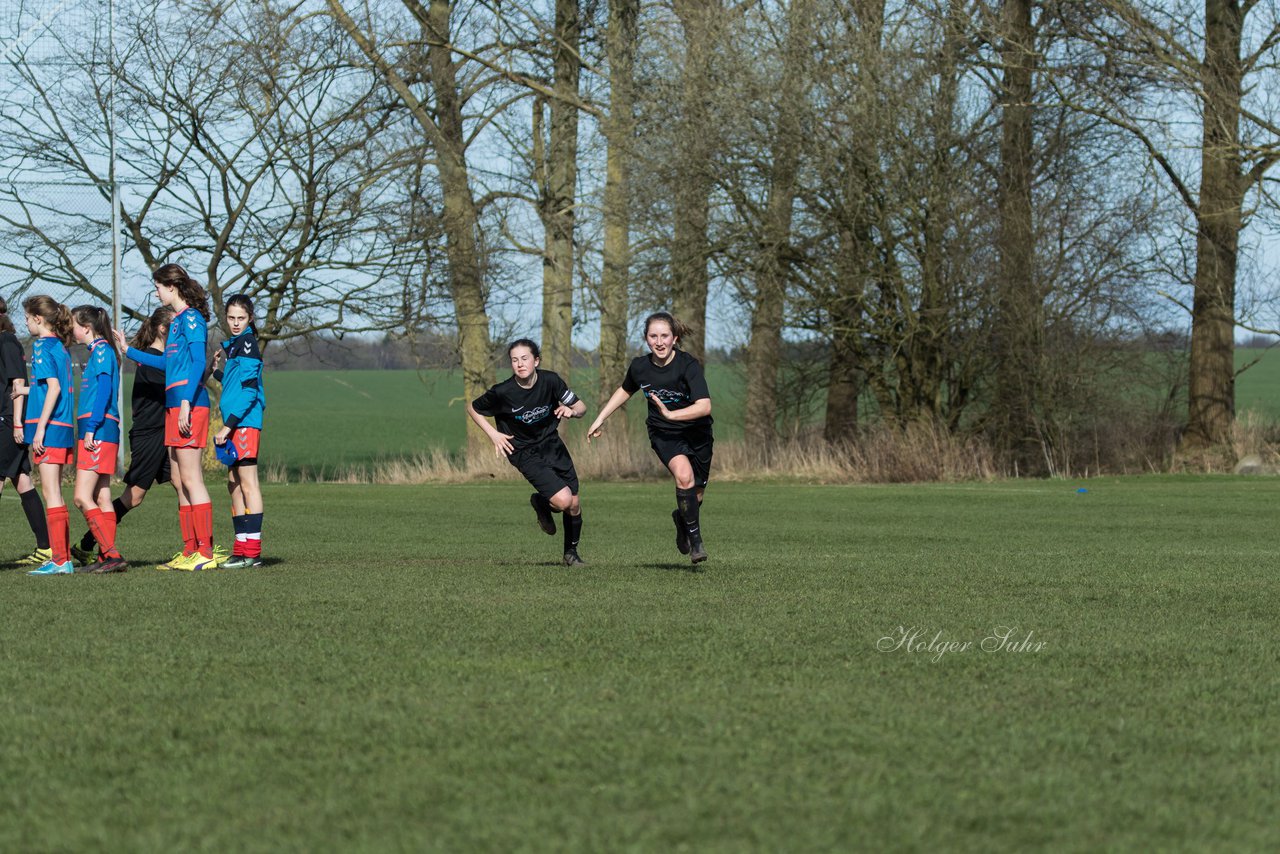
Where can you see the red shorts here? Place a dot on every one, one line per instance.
(199, 428)
(53, 456)
(246, 440)
(103, 460)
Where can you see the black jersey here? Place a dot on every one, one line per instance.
(14, 367)
(527, 415)
(147, 400)
(678, 385)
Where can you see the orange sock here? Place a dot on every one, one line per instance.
(109, 527)
(103, 526)
(202, 514)
(59, 535)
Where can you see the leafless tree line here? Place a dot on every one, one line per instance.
(972, 213)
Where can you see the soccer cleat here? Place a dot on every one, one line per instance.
(697, 552)
(543, 509)
(242, 562)
(84, 557)
(571, 558)
(39, 557)
(194, 562)
(51, 568)
(111, 564)
(168, 565)
(682, 536)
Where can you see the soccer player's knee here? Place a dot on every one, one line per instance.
(84, 504)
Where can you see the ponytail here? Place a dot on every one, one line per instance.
(6, 325)
(96, 318)
(150, 329)
(54, 313)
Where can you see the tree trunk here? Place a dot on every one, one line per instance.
(558, 195)
(772, 266)
(847, 370)
(690, 249)
(1219, 217)
(1019, 308)
(619, 127)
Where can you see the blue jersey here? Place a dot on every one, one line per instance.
(244, 399)
(99, 409)
(183, 361)
(50, 361)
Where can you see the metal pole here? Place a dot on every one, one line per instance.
(116, 320)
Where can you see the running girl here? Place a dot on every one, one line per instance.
(50, 419)
(148, 459)
(98, 425)
(186, 429)
(15, 465)
(527, 408)
(243, 404)
(679, 421)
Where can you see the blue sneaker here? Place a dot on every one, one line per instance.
(52, 568)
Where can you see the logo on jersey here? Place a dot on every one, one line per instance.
(666, 395)
(534, 415)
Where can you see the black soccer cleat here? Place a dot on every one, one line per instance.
(543, 509)
(571, 558)
(682, 536)
(697, 552)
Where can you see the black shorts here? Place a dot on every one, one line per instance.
(694, 444)
(148, 460)
(547, 466)
(14, 459)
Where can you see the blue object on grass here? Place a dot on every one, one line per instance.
(1082, 489)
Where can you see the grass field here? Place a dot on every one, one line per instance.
(414, 671)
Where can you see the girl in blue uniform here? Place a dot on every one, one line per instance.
(148, 458)
(243, 403)
(98, 426)
(49, 425)
(15, 462)
(187, 410)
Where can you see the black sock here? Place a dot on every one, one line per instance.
(687, 503)
(34, 508)
(572, 531)
(120, 508)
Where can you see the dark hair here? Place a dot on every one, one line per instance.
(150, 329)
(52, 312)
(525, 342)
(6, 325)
(677, 328)
(96, 318)
(191, 291)
(244, 302)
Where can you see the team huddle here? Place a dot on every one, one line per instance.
(528, 406)
(168, 433)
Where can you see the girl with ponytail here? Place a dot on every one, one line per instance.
(98, 427)
(187, 410)
(15, 463)
(49, 425)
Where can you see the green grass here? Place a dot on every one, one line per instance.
(415, 672)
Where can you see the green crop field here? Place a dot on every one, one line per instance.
(414, 671)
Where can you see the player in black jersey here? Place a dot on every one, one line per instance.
(679, 421)
(528, 407)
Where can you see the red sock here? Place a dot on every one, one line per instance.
(188, 529)
(59, 535)
(109, 526)
(202, 514)
(103, 526)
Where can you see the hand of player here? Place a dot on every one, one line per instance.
(221, 437)
(18, 437)
(122, 343)
(217, 359)
(90, 443)
(37, 441)
(657, 401)
(563, 412)
(184, 419)
(502, 443)
(595, 431)
(19, 392)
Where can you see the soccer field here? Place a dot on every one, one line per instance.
(414, 671)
